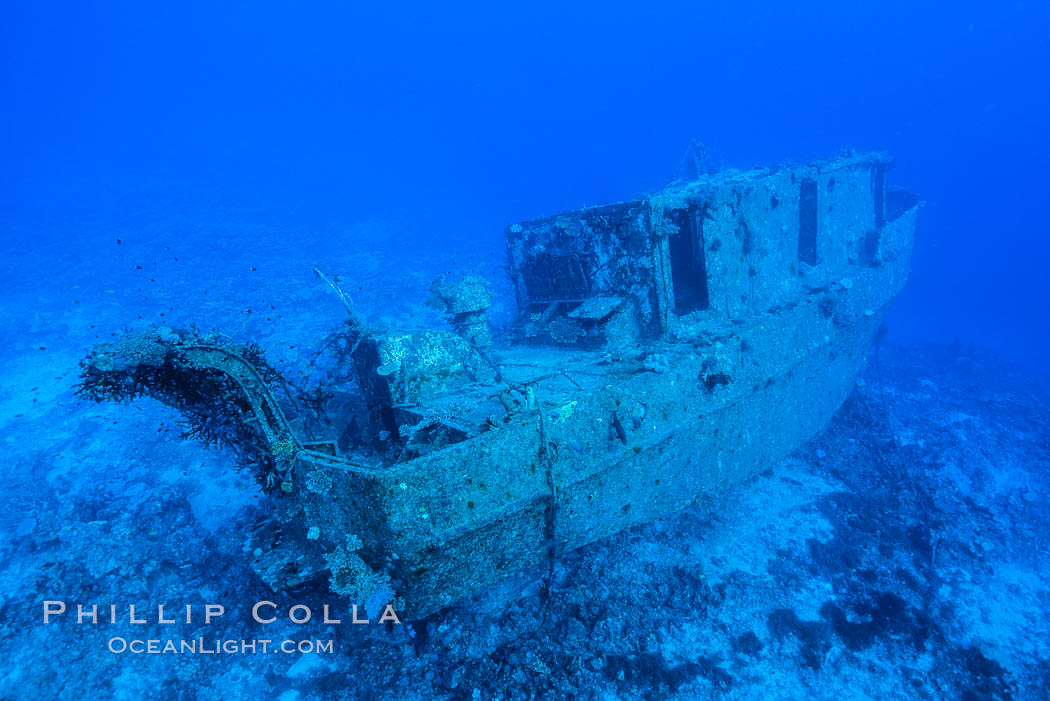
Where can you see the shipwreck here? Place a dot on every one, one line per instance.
(664, 348)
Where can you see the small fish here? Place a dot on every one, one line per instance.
(618, 427)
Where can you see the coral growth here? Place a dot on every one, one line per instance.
(215, 408)
(351, 577)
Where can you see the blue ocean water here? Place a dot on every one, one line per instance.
(191, 164)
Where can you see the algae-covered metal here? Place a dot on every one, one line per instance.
(665, 348)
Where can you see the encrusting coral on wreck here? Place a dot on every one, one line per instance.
(351, 577)
(205, 377)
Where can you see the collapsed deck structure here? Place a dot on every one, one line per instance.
(665, 348)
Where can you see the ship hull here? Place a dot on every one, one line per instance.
(665, 349)
(633, 444)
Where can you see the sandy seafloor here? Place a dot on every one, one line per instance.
(900, 554)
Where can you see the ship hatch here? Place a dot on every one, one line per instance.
(807, 223)
(688, 268)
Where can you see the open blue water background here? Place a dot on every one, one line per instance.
(461, 118)
(191, 162)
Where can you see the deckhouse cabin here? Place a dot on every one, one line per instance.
(720, 248)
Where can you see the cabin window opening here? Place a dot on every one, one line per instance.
(550, 277)
(688, 266)
(807, 222)
(869, 248)
(878, 191)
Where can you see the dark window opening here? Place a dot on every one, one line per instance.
(869, 248)
(556, 277)
(807, 222)
(878, 189)
(688, 266)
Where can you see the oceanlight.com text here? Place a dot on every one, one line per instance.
(203, 646)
